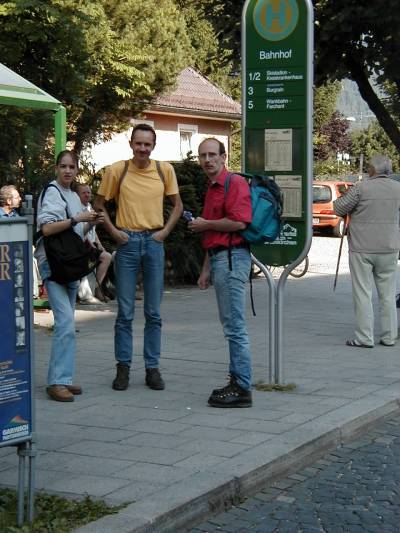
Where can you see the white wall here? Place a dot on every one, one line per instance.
(167, 147)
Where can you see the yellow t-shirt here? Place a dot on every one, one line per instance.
(141, 197)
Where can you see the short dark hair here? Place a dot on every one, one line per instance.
(221, 146)
(71, 153)
(144, 127)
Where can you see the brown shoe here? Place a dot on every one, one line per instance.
(60, 393)
(75, 389)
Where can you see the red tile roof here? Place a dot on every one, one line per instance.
(195, 93)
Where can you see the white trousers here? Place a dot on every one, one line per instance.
(380, 268)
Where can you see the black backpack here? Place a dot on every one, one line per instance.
(70, 259)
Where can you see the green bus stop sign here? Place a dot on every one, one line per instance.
(277, 48)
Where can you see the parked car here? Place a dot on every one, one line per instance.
(324, 217)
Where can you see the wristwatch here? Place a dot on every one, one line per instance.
(74, 222)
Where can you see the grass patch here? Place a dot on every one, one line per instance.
(269, 387)
(53, 514)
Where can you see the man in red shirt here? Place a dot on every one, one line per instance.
(227, 262)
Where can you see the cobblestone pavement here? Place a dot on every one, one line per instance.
(355, 489)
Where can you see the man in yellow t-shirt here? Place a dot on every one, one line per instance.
(140, 233)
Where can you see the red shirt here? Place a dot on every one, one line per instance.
(235, 205)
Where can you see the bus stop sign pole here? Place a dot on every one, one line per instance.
(277, 52)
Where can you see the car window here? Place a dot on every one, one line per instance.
(321, 194)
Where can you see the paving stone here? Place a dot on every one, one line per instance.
(330, 495)
(338, 390)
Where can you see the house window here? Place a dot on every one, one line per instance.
(186, 134)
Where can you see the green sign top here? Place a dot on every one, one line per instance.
(277, 63)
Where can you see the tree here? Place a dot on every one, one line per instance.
(372, 140)
(102, 59)
(355, 39)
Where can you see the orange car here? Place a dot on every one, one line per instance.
(324, 194)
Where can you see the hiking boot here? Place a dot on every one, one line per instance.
(154, 379)
(221, 389)
(121, 380)
(230, 396)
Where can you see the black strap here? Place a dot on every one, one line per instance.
(39, 233)
(251, 290)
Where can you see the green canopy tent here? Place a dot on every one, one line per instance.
(17, 91)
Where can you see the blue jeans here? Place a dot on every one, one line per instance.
(141, 252)
(230, 289)
(62, 300)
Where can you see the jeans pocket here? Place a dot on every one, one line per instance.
(241, 267)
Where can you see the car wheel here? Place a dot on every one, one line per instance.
(338, 230)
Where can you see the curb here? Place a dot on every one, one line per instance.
(211, 492)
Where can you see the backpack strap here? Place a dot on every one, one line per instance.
(59, 192)
(125, 171)
(39, 233)
(160, 172)
(121, 179)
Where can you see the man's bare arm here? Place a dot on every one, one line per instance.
(175, 215)
(119, 236)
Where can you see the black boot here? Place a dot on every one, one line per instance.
(121, 380)
(154, 379)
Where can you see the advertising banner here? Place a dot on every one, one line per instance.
(15, 332)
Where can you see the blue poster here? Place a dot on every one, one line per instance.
(15, 342)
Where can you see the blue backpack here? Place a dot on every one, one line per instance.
(267, 207)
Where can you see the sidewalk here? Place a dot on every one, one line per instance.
(169, 454)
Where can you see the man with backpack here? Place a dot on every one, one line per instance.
(138, 186)
(227, 262)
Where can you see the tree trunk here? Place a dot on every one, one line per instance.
(359, 75)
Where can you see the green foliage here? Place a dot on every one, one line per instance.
(235, 156)
(103, 60)
(210, 55)
(183, 251)
(355, 39)
(373, 140)
(26, 156)
(53, 514)
(325, 98)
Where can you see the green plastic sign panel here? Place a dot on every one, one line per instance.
(277, 113)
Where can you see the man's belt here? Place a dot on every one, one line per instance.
(218, 249)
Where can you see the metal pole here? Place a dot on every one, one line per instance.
(30, 448)
(21, 484)
(272, 314)
(60, 121)
(31, 480)
(360, 170)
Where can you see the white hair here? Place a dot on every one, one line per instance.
(381, 163)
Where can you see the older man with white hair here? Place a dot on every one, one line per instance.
(374, 241)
